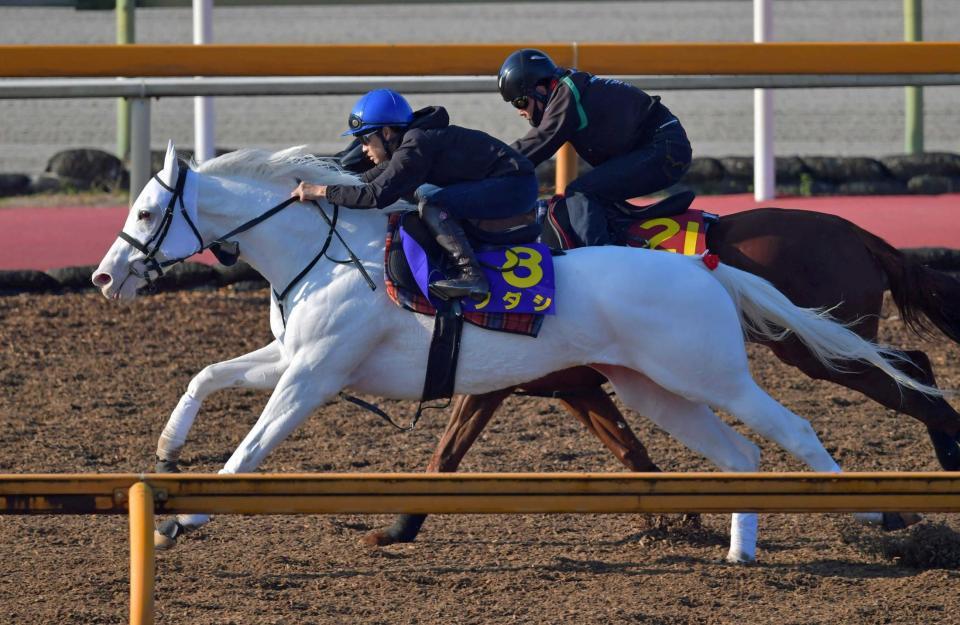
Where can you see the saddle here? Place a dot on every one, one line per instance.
(669, 224)
(522, 228)
(402, 287)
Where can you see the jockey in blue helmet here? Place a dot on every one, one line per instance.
(452, 172)
(376, 110)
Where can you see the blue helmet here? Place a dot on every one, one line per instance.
(376, 109)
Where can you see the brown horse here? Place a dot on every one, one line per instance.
(817, 260)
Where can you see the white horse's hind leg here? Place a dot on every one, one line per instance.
(768, 418)
(260, 369)
(697, 427)
(773, 421)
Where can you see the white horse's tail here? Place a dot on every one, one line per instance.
(766, 313)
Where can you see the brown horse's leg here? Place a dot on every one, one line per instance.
(471, 413)
(942, 421)
(594, 409)
(820, 260)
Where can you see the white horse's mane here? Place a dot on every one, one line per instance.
(284, 166)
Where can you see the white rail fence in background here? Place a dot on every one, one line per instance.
(140, 90)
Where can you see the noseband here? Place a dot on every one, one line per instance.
(149, 260)
(152, 265)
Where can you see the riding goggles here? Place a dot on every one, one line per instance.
(520, 103)
(365, 138)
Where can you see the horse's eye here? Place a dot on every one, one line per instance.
(143, 215)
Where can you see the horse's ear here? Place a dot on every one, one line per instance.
(170, 166)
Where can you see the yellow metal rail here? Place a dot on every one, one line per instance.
(142, 495)
(476, 59)
(142, 554)
(485, 493)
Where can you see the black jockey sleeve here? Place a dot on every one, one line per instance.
(431, 151)
(371, 174)
(560, 120)
(406, 170)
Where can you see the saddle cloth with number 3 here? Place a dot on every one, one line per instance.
(521, 278)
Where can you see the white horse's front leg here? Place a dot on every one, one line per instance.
(301, 390)
(260, 369)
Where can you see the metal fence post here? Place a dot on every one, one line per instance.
(126, 33)
(142, 556)
(764, 159)
(566, 167)
(204, 147)
(913, 104)
(139, 146)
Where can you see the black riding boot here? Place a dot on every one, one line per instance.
(470, 280)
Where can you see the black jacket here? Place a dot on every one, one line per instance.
(431, 151)
(616, 118)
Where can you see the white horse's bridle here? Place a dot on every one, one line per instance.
(153, 268)
(225, 250)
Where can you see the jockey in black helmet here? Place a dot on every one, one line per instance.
(452, 172)
(634, 143)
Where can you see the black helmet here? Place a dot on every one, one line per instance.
(523, 71)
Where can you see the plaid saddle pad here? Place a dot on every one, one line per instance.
(403, 290)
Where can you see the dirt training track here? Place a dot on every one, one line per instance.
(87, 386)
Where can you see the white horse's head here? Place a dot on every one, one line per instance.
(160, 230)
(182, 211)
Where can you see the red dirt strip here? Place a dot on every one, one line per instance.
(50, 237)
(903, 220)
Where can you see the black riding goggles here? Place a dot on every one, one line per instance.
(520, 103)
(365, 138)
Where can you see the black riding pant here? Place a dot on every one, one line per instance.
(653, 166)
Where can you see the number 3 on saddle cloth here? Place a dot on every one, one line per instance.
(521, 292)
(669, 225)
(520, 275)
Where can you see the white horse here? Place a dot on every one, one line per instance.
(664, 329)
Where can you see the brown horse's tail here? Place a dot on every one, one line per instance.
(927, 298)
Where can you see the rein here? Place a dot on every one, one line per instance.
(152, 265)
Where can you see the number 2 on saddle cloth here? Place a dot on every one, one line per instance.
(685, 233)
(668, 225)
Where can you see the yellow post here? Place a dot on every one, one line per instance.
(141, 554)
(566, 167)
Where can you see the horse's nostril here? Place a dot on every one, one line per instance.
(102, 279)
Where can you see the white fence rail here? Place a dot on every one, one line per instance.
(140, 90)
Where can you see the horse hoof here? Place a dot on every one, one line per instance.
(893, 521)
(165, 536)
(379, 538)
(162, 542)
(166, 466)
(740, 557)
(403, 530)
